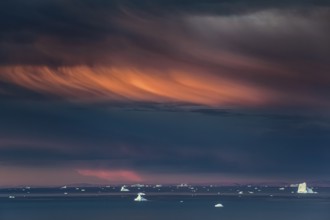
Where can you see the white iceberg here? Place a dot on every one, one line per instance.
(303, 189)
(282, 188)
(219, 205)
(124, 189)
(139, 198)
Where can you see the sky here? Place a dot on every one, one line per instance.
(164, 91)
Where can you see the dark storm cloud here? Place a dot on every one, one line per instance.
(105, 28)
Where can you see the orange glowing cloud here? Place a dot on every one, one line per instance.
(112, 175)
(132, 84)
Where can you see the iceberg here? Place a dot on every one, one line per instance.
(124, 189)
(219, 205)
(303, 189)
(139, 198)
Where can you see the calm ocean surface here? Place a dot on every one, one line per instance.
(51, 204)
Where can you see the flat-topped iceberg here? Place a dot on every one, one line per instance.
(303, 189)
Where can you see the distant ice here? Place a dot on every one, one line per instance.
(138, 185)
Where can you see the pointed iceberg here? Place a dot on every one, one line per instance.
(139, 198)
(124, 189)
(219, 205)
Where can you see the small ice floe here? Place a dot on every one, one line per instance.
(82, 190)
(251, 192)
(65, 193)
(240, 192)
(182, 185)
(139, 198)
(11, 197)
(181, 201)
(64, 187)
(294, 185)
(124, 189)
(282, 188)
(219, 205)
(303, 189)
(158, 186)
(77, 188)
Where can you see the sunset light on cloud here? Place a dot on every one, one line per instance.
(116, 175)
(112, 84)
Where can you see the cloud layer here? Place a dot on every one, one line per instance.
(156, 90)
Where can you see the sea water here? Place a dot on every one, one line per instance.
(170, 203)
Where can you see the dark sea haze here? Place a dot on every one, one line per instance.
(101, 203)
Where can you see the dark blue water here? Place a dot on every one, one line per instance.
(103, 206)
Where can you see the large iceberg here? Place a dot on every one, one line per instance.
(302, 188)
(139, 198)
